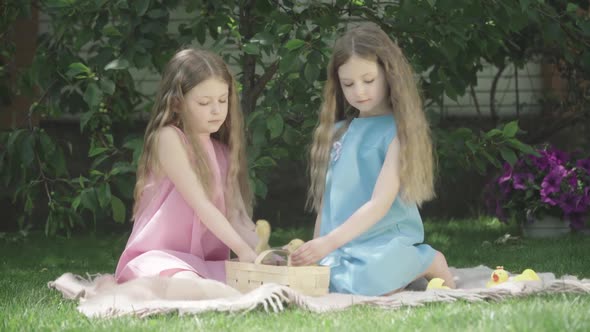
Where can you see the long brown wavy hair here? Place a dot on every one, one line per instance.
(185, 70)
(370, 42)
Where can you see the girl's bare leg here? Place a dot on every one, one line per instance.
(439, 269)
(200, 288)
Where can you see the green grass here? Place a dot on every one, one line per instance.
(26, 304)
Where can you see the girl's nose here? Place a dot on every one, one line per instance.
(216, 108)
(359, 90)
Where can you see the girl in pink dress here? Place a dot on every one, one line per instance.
(192, 198)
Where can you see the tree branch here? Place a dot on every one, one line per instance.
(264, 79)
(493, 112)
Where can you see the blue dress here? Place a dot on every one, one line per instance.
(388, 255)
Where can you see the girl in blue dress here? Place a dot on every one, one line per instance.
(371, 165)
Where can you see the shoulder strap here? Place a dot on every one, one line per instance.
(181, 133)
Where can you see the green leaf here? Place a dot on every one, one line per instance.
(294, 44)
(95, 151)
(275, 124)
(472, 147)
(311, 73)
(508, 155)
(157, 13)
(59, 162)
(84, 118)
(260, 188)
(572, 7)
(96, 172)
(88, 199)
(290, 135)
(491, 159)
(76, 203)
(47, 145)
(432, 3)
(120, 168)
(117, 64)
(263, 38)
(250, 48)
(81, 181)
(521, 146)
(289, 63)
(118, 209)
(104, 195)
(142, 6)
(14, 135)
(125, 185)
(259, 136)
(135, 145)
(111, 31)
(77, 68)
(283, 29)
(200, 32)
(107, 86)
(279, 153)
(93, 95)
(59, 4)
(510, 129)
(524, 4)
(480, 166)
(265, 162)
(494, 132)
(142, 60)
(27, 150)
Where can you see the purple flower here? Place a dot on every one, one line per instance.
(542, 163)
(569, 202)
(545, 198)
(557, 157)
(573, 180)
(552, 181)
(520, 181)
(507, 173)
(584, 163)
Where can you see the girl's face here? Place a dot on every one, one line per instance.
(364, 85)
(206, 104)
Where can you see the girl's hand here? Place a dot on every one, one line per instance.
(312, 251)
(247, 256)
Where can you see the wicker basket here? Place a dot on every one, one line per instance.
(309, 280)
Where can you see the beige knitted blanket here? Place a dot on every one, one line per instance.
(100, 296)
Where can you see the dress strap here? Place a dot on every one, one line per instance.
(182, 134)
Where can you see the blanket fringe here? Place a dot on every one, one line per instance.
(100, 296)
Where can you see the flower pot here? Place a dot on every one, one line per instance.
(546, 226)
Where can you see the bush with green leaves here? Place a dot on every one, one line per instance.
(83, 69)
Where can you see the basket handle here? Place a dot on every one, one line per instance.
(265, 253)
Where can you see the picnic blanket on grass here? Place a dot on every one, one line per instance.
(101, 296)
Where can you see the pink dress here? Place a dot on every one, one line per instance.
(168, 236)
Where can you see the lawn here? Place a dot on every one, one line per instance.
(28, 263)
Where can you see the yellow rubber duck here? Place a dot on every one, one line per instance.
(291, 247)
(527, 275)
(437, 283)
(263, 232)
(498, 276)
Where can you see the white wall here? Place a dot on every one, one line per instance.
(530, 91)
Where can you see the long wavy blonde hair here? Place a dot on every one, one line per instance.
(369, 42)
(185, 70)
